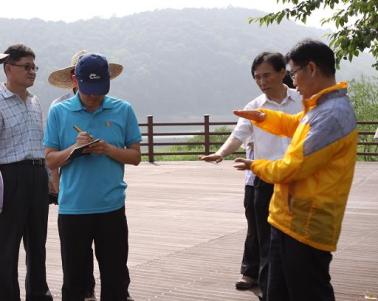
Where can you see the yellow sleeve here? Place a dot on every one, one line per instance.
(279, 123)
(295, 165)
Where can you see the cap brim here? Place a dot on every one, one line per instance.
(94, 88)
(62, 78)
(4, 55)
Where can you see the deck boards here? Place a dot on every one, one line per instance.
(187, 231)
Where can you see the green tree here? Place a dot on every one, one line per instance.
(356, 24)
(364, 97)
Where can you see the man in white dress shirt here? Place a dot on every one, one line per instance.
(269, 71)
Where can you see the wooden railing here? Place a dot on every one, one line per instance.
(152, 133)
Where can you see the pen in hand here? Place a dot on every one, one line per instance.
(96, 146)
(77, 129)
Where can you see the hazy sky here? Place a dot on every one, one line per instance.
(72, 10)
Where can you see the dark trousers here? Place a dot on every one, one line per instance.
(263, 194)
(90, 282)
(109, 232)
(297, 271)
(251, 257)
(24, 215)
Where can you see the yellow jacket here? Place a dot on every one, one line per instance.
(313, 179)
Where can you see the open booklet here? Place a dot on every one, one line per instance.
(78, 151)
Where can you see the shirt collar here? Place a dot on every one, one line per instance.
(314, 99)
(74, 104)
(6, 93)
(288, 97)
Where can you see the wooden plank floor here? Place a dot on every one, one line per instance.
(187, 231)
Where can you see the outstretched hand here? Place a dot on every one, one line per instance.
(211, 158)
(254, 115)
(242, 164)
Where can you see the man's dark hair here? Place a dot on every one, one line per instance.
(288, 81)
(275, 59)
(313, 51)
(17, 52)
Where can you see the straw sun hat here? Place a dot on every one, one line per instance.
(62, 78)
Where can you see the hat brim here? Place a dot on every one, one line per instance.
(62, 78)
(3, 56)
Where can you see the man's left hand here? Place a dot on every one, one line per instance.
(99, 148)
(242, 164)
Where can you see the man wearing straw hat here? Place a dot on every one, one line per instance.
(92, 187)
(62, 78)
(25, 209)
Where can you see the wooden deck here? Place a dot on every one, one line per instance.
(187, 231)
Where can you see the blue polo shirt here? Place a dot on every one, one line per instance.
(92, 183)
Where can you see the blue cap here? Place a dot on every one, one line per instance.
(92, 73)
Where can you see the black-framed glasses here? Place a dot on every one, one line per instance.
(27, 67)
(294, 72)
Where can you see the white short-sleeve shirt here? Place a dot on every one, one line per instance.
(266, 145)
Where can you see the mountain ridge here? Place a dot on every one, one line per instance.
(178, 63)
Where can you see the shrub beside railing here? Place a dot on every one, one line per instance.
(206, 136)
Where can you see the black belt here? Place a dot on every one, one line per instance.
(33, 162)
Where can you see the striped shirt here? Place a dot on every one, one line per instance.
(21, 127)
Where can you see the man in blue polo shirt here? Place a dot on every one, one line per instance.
(92, 189)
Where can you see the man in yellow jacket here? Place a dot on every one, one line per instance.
(312, 180)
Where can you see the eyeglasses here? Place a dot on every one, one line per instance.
(27, 67)
(294, 72)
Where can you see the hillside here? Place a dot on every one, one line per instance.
(178, 63)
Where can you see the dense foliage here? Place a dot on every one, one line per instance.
(356, 24)
(364, 95)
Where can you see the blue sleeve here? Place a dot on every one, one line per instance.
(132, 128)
(51, 136)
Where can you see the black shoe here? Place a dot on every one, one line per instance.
(129, 298)
(246, 283)
(90, 297)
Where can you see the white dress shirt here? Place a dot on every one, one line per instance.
(249, 175)
(266, 145)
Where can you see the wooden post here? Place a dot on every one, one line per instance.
(207, 134)
(150, 135)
